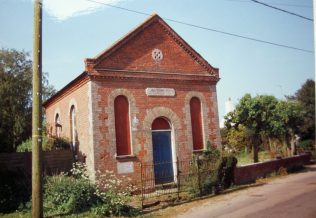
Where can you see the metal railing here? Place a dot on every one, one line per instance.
(172, 178)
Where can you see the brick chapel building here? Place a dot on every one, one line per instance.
(149, 98)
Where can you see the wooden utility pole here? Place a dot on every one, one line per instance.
(37, 196)
(314, 12)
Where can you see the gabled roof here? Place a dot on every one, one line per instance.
(72, 85)
(93, 63)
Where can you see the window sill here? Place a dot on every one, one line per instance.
(198, 151)
(124, 158)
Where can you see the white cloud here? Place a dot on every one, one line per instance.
(64, 9)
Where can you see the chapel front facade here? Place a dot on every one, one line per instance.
(149, 98)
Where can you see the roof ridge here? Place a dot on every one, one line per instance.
(129, 33)
(176, 37)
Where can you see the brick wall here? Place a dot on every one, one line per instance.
(80, 98)
(249, 173)
(137, 54)
(53, 162)
(145, 109)
(127, 68)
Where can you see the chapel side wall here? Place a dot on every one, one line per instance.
(144, 109)
(80, 99)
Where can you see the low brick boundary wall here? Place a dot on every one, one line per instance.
(53, 162)
(249, 173)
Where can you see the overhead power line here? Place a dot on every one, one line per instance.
(279, 9)
(274, 3)
(209, 29)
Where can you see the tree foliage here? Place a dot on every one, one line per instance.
(264, 118)
(254, 113)
(237, 139)
(16, 98)
(306, 97)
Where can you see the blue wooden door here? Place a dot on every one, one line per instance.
(163, 166)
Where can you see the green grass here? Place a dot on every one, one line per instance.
(247, 158)
(28, 214)
(16, 215)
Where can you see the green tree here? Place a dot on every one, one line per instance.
(239, 139)
(254, 113)
(268, 120)
(306, 97)
(285, 123)
(16, 98)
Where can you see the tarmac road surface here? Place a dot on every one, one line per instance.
(292, 196)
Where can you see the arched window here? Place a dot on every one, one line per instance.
(73, 128)
(196, 123)
(122, 126)
(57, 126)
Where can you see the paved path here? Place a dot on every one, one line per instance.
(292, 196)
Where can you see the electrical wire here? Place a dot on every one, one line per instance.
(279, 9)
(274, 3)
(209, 29)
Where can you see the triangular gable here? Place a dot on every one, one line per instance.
(136, 51)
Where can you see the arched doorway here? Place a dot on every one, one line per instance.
(162, 151)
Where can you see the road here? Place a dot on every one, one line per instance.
(291, 196)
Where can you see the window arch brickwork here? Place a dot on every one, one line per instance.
(205, 120)
(110, 121)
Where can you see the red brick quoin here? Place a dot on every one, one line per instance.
(150, 74)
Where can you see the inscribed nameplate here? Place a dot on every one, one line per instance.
(160, 92)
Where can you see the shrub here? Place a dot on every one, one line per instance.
(203, 177)
(79, 171)
(15, 190)
(65, 194)
(25, 146)
(211, 153)
(193, 181)
(114, 195)
(211, 171)
(209, 182)
(306, 145)
(54, 143)
(49, 144)
(108, 196)
(203, 171)
(226, 170)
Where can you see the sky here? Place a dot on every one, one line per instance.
(77, 29)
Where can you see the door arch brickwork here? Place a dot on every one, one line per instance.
(175, 123)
